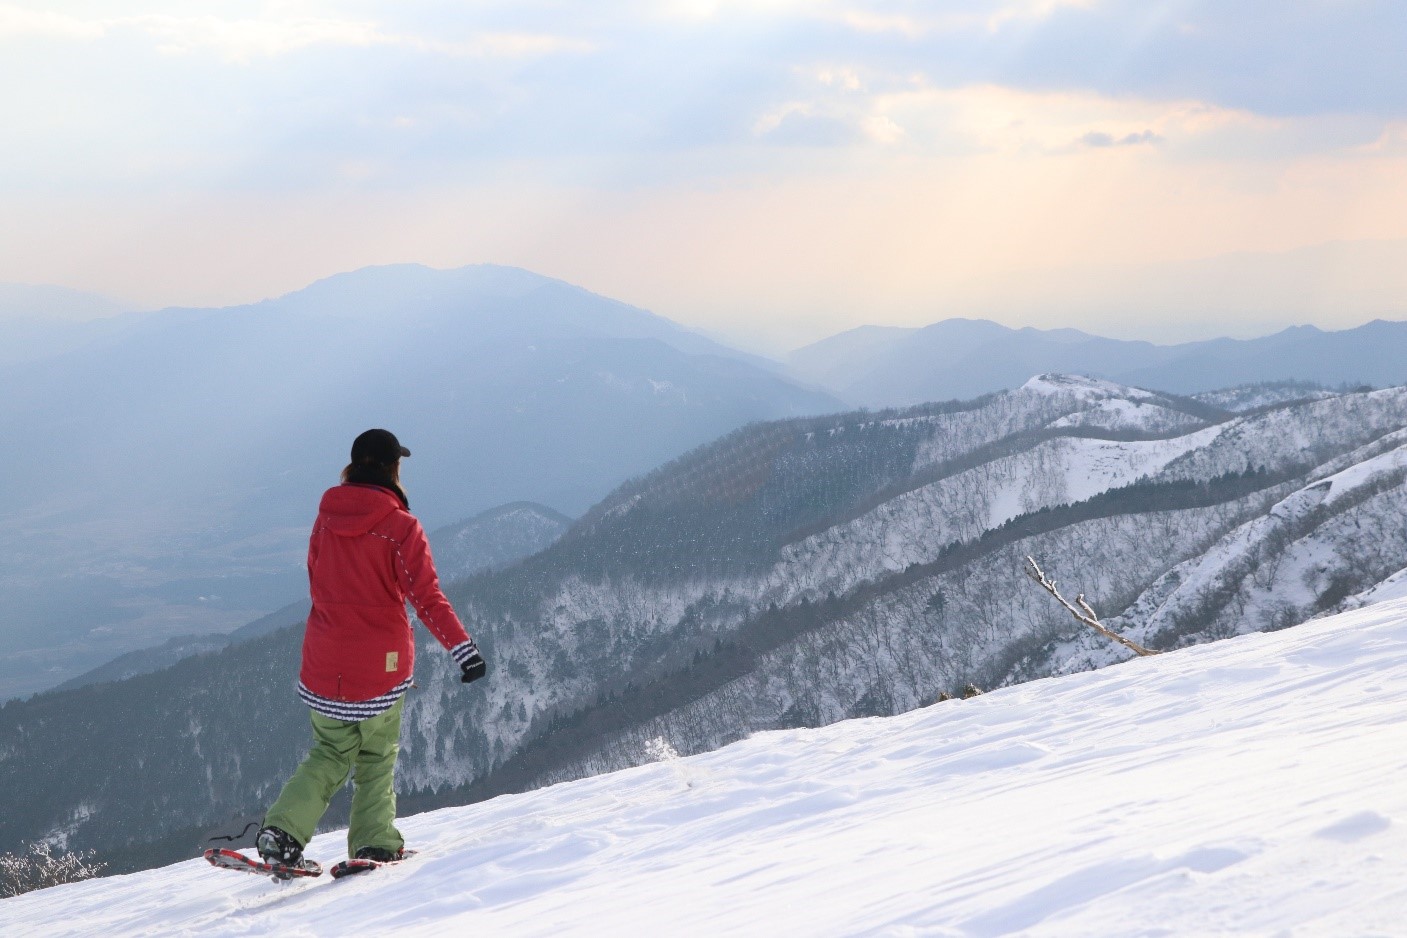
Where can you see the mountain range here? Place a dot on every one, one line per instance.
(875, 366)
(790, 573)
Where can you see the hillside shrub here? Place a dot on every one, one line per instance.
(41, 867)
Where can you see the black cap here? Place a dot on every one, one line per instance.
(378, 446)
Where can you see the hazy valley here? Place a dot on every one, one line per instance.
(172, 460)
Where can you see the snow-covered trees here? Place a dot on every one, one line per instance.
(42, 865)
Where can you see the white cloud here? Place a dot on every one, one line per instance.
(507, 45)
(1101, 140)
(1391, 142)
(711, 9)
(998, 119)
(847, 79)
(16, 22)
(881, 129)
(987, 15)
(868, 21)
(837, 107)
(840, 112)
(1017, 10)
(244, 40)
(909, 112)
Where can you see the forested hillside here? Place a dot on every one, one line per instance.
(792, 573)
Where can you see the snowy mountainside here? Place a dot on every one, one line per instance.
(1249, 787)
(1263, 394)
(918, 593)
(914, 527)
(1334, 544)
(1394, 587)
(1312, 549)
(792, 573)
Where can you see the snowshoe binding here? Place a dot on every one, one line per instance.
(367, 859)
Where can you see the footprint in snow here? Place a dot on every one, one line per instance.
(1355, 827)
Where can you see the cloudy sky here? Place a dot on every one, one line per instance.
(770, 169)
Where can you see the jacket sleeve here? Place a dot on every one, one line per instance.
(417, 576)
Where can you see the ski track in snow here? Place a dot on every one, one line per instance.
(1247, 787)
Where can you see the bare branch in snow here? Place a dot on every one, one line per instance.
(1080, 609)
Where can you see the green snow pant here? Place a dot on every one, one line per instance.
(366, 751)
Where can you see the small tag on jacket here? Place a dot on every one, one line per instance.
(392, 660)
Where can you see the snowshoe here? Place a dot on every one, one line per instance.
(368, 859)
(234, 860)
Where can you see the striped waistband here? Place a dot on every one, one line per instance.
(353, 711)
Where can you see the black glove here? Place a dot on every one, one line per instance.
(473, 667)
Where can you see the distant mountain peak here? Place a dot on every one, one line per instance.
(55, 302)
(1085, 387)
(485, 280)
(959, 325)
(962, 359)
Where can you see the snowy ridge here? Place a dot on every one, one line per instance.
(1271, 578)
(1253, 396)
(1392, 588)
(915, 526)
(1247, 787)
(1120, 414)
(1276, 569)
(1085, 388)
(1312, 431)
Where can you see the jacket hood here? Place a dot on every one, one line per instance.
(352, 510)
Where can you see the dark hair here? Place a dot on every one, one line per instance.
(369, 472)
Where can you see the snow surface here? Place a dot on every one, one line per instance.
(1121, 414)
(1394, 587)
(1083, 387)
(1247, 787)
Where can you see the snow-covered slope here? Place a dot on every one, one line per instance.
(1267, 394)
(790, 574)
(1246, 787)
(1300, 556)
(1394, 587)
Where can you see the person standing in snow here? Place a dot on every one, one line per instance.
(367, 556)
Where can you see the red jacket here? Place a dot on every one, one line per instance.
(366, 557)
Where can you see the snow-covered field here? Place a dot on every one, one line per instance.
(1256, 786)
